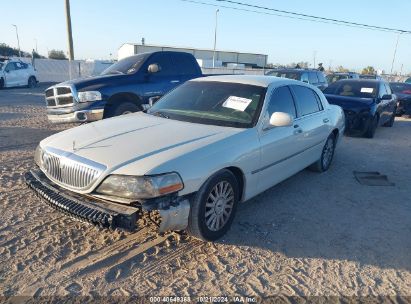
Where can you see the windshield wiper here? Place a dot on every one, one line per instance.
(114, 72)
(160, 114)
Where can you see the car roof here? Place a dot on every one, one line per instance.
(258, 80)
(342, 73)
(361, 80)
(295, 70)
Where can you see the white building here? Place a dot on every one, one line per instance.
(203, 56)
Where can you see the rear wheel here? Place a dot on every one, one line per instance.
(32, 82)
(1, 83)
(122, 109)
(327, 154)
(371, 128)
(213, 207)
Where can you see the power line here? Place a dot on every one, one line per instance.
(329, 21)
(316, 17)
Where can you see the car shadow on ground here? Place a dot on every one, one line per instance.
(331, 216)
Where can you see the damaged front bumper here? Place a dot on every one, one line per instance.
(174, 212)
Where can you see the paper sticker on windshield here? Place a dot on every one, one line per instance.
(237, 103)
(367, 90)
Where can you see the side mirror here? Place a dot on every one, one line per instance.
(153, 68)
(281, 119)
(305, 80)
(386, 97)
(153, 100)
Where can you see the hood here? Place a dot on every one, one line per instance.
(138, 137)
(95, 82)
(350, 103)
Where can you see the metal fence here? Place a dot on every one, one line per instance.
(51, 70)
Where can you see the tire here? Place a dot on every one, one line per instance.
(1, 83)
(210, 218)
(371, 128)
(122, 109)
(390, 123)
(32, 82)
(327, 155)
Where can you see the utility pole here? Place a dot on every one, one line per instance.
(69, 32)
(35, 39)
(215, 36)
(18, 40)
(395, 53)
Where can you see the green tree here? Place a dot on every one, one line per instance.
(6, 50)
(342, 69)
(368, 70)
(57, 54)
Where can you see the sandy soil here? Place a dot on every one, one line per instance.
(313, 234)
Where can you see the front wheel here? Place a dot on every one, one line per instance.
(327, 154)
(121, 109)
(32, 82)
(213, 207)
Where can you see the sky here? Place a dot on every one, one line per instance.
(100, 27)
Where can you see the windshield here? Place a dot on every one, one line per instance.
(285, 74)
(216, 103)
(333, 78)
(401, 88)
(360, 89)
(127, 65)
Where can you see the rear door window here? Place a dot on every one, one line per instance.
(186, 65)
(306, 100)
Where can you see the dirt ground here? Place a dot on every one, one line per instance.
(312, 235)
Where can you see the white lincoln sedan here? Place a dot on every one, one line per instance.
(200, 150)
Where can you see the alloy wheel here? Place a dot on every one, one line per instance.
(328, 152)
(219, 205)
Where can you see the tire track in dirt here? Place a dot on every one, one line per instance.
(95, 261)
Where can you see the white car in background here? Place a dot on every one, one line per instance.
(15, 73)
(200, 150)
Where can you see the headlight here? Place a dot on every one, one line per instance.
(140, 187)
(38, 156)
(89, 96)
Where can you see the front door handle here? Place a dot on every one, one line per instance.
(175, 81)
(325, 120)
(298, 130)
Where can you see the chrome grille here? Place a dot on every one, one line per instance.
(60, 96)
(72, 171)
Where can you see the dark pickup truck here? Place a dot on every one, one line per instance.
(130, 85)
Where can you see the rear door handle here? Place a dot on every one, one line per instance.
(175, 81)
(325, 120)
